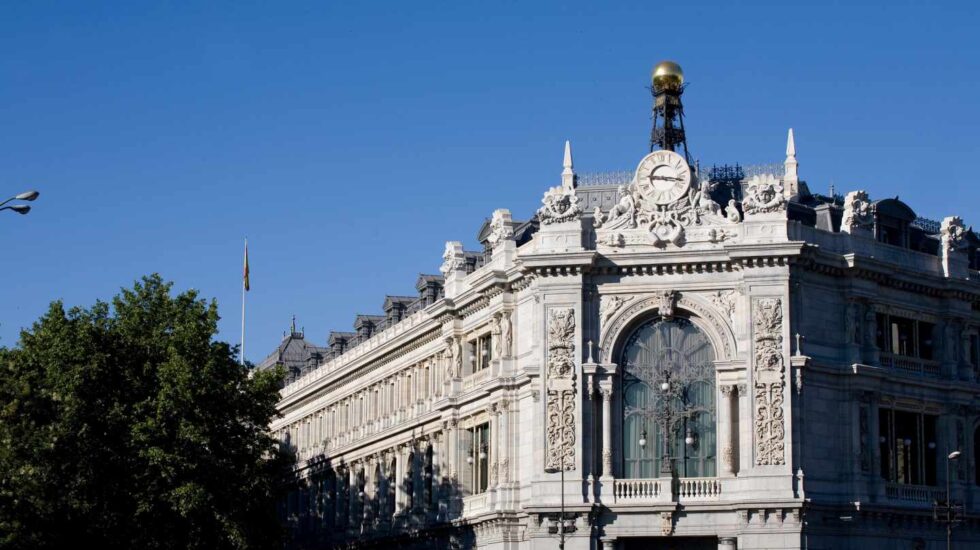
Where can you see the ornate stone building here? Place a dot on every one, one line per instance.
(676, 358)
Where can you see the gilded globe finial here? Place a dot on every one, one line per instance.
(667, 75)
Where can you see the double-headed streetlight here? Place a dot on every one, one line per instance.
(20, 208)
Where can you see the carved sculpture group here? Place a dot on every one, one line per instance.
(664, 223)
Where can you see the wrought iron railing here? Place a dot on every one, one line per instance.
(624, 177)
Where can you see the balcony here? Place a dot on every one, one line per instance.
(914, 493)
(476, 504)
(685, 489)
(639, 490)
(910, 365)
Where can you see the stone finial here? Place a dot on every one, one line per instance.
(453, 259)
(791, 177)
(952, 232)
(857, 212)
(501, 227)
(568, 173)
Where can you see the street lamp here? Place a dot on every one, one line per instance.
(562, 527)
(948, 512)
(20, 208)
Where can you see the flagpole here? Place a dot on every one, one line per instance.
(244, 279)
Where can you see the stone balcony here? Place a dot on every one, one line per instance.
(665, 490)
(926, 494)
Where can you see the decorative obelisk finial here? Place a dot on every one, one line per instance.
(567, 173)
(791, 177)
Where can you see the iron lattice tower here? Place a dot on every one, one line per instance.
(668, 109)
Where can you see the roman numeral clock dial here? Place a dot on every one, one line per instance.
(663, 177)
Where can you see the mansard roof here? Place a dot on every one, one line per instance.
(403, 301)
(425, 280)
(295, 353)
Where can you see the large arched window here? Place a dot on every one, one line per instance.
(668, 387)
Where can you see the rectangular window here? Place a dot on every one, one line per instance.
(481, 352)
(905, 337)
(975, 350)
(477, 456)
(908, 447)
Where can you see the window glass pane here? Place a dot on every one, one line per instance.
(668, 382)
(925, 339)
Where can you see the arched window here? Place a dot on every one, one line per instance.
(668, 386)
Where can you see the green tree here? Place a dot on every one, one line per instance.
(130, 426)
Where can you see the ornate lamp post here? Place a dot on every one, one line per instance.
(676, 409)
(562, 526)
(947, 512)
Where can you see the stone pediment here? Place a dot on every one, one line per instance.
(665, 205)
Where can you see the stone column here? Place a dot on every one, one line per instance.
(608, 544)
(453, 450)
(399, 479)
(745, 413)
(605, 388)
(725, 430)
(727, 543)
(353, 496)
(494, 434)
(369, 493)
(504, 445)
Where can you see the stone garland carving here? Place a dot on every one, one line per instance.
(767, 319)
(764, 194)
(560, 204)
(609, 306)
(857, 211)
(561, 390)
(952, 233)
(725, 300)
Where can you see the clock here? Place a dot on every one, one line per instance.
(663, 177)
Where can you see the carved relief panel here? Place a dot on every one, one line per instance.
(560, 405)
(767, 341)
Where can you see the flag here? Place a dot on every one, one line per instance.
(245, 274)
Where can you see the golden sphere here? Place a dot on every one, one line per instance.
(667, 75)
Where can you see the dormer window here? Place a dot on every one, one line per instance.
(892, 219)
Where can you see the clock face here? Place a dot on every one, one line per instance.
(663, 177)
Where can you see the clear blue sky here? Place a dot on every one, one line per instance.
(350, 140)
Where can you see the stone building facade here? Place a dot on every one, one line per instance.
(673, 363)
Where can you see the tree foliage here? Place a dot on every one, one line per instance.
(130, 426)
